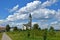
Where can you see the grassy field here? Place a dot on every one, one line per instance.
(0, 36)
(34, 35)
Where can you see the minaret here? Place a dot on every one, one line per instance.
(30, 20)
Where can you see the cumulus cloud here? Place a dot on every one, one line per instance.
(1, 21)
(37, 9)
(19, 25)
(14, 8)
(55, 24)
(17, 17)
(58, 15)
(23, 12)
(48, 3)
(43, 13)
(30, 7)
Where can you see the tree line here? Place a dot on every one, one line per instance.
(35, 26)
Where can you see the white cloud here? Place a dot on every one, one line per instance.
(48, 3)
(14, 8)
(27, 9)
(37, 9)
(43, 25)
(58, 15)
(53, 23)
(30, 7)
(17, 17)
(11, 18)
(1, 21)
(43, 13)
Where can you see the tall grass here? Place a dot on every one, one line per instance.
(34, 35)
(0, 36)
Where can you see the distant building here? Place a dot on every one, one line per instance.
(2, 29)
(29, 24)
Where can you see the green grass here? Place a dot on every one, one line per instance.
(0, 36)
(34, 35)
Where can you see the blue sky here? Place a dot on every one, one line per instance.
(8, 4)
(44, 12)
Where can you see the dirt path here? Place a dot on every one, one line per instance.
(5, 37)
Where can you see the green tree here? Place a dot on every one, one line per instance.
(35, 26)
(15, 28)
(7, 28)
(39, 28)
(51, 30)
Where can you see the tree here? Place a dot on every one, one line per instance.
(39, 28)
(35, 26)
(51, 30)
(7, 28)
(15, 28)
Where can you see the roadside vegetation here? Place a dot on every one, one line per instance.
(35, 33)
(0, 36)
